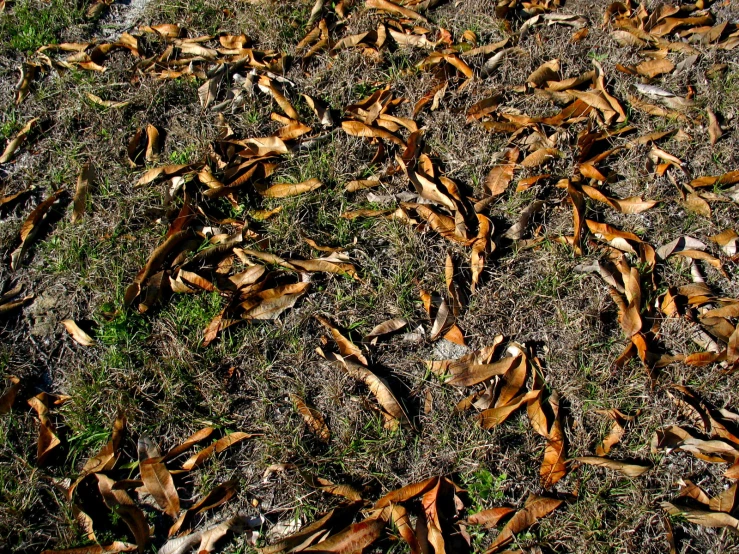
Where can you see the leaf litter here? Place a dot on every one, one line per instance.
(259, 284)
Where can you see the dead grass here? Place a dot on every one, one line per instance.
(155, 368)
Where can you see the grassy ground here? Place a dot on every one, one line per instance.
(155, 368)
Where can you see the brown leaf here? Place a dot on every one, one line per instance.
(481, 246)
(725, 501)
(548, 71)
(517, 231)
(406, 493)
(207, 539)
(391, 7)
(392, 410)
(216, 497)
(219, 446)
(283, 190)
(359, 129)
(489, 518)
(730, 178)
(189, 442)
(541, 156)
(112, 548)
(105, 103)
(553, 466)
(159, 483)
(153, 145)
(313, 419)
(31, 226)
(399, 518)
(385, 328)
(495, 416)
(270, 303)
(431, 513)
(500, 176)
(714, 129)
(628, 469)
(698, 205)
(120, 503)
(106, 458)
(79, 336)
(353, 539)
(47, 439)
(578, 216)
(8, 397)
(688, 489)
(17, 141)
(630, 205)
(536, 507)
(653, 68)
(80, 196)
(348, 349)
(702, 517)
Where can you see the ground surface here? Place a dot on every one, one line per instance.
(154, 367)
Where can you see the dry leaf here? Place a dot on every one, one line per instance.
(702, 517)
(500, 176)
(8, 397)
(714, 129)
(113, 548)
(406, 493)
(541, 156)
(219, 446)
(216, 497)
(536, 507)
(653, 68)
(283, 190)
(312, 418)
(80, 196)
(628, 469)
(386, 327)
(392, 410)
(489, 518)
(18, 140)
(158, 482)
(79, 336)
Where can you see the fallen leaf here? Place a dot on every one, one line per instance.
(541, 156)
(406, 493)
(105, 103)
(79, 336)
(702, 517)
(312, 418)
(655, 67)
(216, 497)
(714, 129)
(392, 410)
(207, 539)
(112, 548)
(17, 141)
(158, 482)
(8, 397)
(489, 518)
(500, 176)
(47, 438)
(548, 71)
(628, 469)
(283, 190)
(31, 226)
(219, 446)
(354, 538)
(536, 507)
(270, 303)
(385, 328)
(80, 196)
